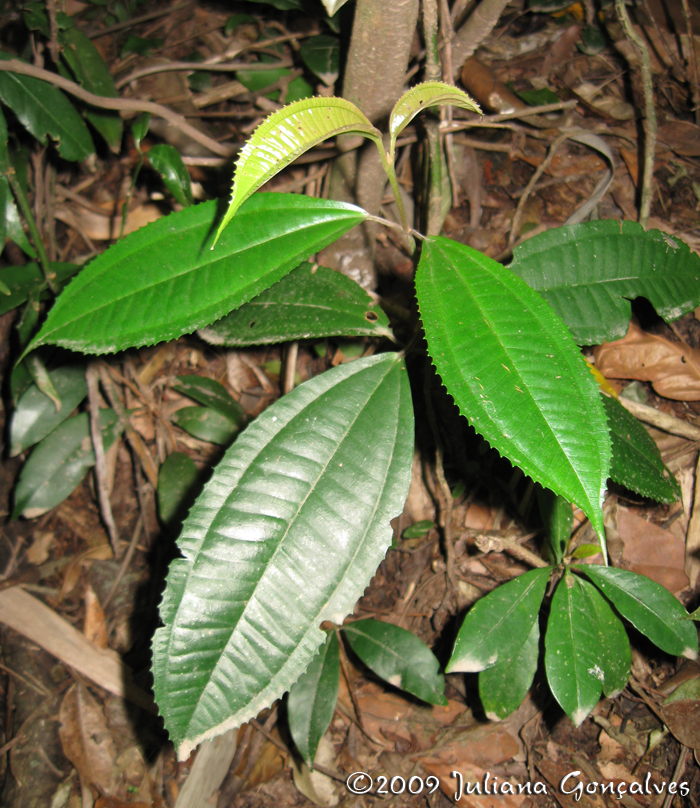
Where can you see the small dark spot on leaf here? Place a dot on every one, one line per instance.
(252, 324)
(371, 317)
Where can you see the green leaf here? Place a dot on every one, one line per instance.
(503, 687)
(285, 135)
(536, 98)
(167, 162)
(178, 483)
(141, 45)
(572, 651)
(288, 533)
(4, 155)
(212, 394)
(9, 216)
(312, 699)
(44, 110)
(423, 96)
(418, 529)
(163, 280)
(35, 415)
(321, 54)
(650, 608)
(586, 551)
(90, 71)
(590, 272)
(58, 464)
(238, 19)
(613, 647)
(398, 657)
(636, 460)
(514, 372)
(23, 281)
(309, 303)
(139, 127)
(558, 517)
(206, 424)
(498, 625)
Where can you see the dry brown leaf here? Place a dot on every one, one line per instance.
(39, 551)
(682, 136)
(671, 367)
(113, 802)
(107, 227)
(683, 719)
(86, 740)
(652, 551)
(94, 625)
(473, 776)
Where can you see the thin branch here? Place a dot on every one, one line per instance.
(121, 104)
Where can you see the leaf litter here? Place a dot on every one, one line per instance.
(105, 752)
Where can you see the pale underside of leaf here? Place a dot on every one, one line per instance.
(287, 534)
(515, 373)
(287, 134)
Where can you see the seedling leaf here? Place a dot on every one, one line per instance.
(398, 657)
(287, 533)
(498, 625)
(212, 394)
(167, 162)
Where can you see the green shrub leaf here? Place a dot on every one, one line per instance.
(503, 687)
(163, 280)
(321, 54)
(44, 110)
(287, 533)
(285, 135)
(636, 460)
(206, 424)
(312, 699)
(590, 272)
(650, 608)
(614, 653)
(178, 482)
(422, 96)
(309, 303)
(398, 657)
(514, 372)
(497, 625)
(572, 652)
(36, 416)
(212, 394)
(558, 518)
(58, 464)
(167, 162)
(22, 281)
(90, 71)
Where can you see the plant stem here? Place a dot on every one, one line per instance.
(26, 209)
(649, 112)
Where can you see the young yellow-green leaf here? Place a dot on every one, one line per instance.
(312, 699)
(287, 534)
(399, 657)
(497, 626)
(514, 371)
(650, 608)
(423, 96)
(503, 687)
(572, 650)
(285, 135)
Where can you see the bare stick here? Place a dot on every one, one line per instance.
(649, 112)
(100, 463)
(122, 104)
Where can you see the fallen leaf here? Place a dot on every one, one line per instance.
(476, 778)
(86, 740)
(317, 787)
(682, 136)
(671, 367)
(94, 625)
(39, 551)
(106, 227)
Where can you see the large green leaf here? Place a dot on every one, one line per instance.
(650, 608)
(287, 134)
(503, 687)
(514, 372)
(89, 70)
(36, 416)
(312, 699)
(572, 651)
(58, 464)
(309, 303)
(164, 280)
(287, 533)
(614, 653)
(44, 110)
(399, 657)
(498, 625)
(636, 460)
(590, 272)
